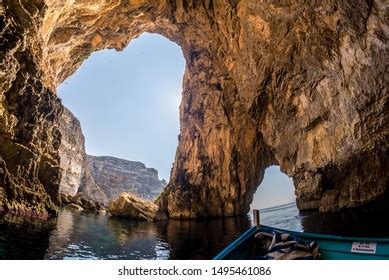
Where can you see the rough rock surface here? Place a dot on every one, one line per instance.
(75, 206)
(76, 176)
(132, 207)
(301, 84)
(115, 176)
(29, 136)
(83, 201)
(89, 187)
(72, 153)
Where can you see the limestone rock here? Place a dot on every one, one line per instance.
(89, 187)
(83, 201)
(72, 153)
(75, 206)
(300, 84)
(29, 135)
(76, 175)
(130, 206)
(115, 176)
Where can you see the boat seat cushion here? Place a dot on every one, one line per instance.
(283, 246)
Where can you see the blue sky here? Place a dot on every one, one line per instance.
(128, 106)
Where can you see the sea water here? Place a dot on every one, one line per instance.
(82, 235)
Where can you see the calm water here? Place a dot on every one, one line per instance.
(74, 235)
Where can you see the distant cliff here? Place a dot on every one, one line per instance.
(100, 178)
(72, 153)
(115, 175)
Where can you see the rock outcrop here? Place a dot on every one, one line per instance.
(83, 202)
(130, 206)
(300, 84)
(115, 176)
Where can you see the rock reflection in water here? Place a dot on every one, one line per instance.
(177, 239)
(23, 238)
(90, 236)
(79, 235)
(75, 235)
(367, 221)
(364, 221)
(137, 240)
(201, 239)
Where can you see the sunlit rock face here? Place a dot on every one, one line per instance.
(72, 153)
(132, 207)
(300, 84)
(75, 173)
(115, 176)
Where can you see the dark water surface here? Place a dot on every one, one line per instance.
(75, 235)
(368, 221)
(79, 235)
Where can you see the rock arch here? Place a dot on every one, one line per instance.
(302, 85)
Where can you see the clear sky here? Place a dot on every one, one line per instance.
(128, 106)
(275, 189)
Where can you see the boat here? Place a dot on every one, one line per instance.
(331, 247)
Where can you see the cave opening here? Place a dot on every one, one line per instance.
(275, 189)
(127, 103)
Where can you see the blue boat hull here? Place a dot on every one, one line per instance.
(331, 247)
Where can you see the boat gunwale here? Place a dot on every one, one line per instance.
(311, 235)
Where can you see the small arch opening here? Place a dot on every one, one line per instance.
(276, 200)
(275, 189)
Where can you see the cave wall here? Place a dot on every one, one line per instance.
(29, 137)
(300, 84)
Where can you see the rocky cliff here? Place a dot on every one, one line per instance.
(90, 189)
(100, 178)
(72, 153)
(76, 176)
(115, 176)
(300, 84)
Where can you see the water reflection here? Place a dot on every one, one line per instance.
(75, 235)
(201, 239)
(137, 240)
(360, 222)
(24, 238)
(89, 236)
